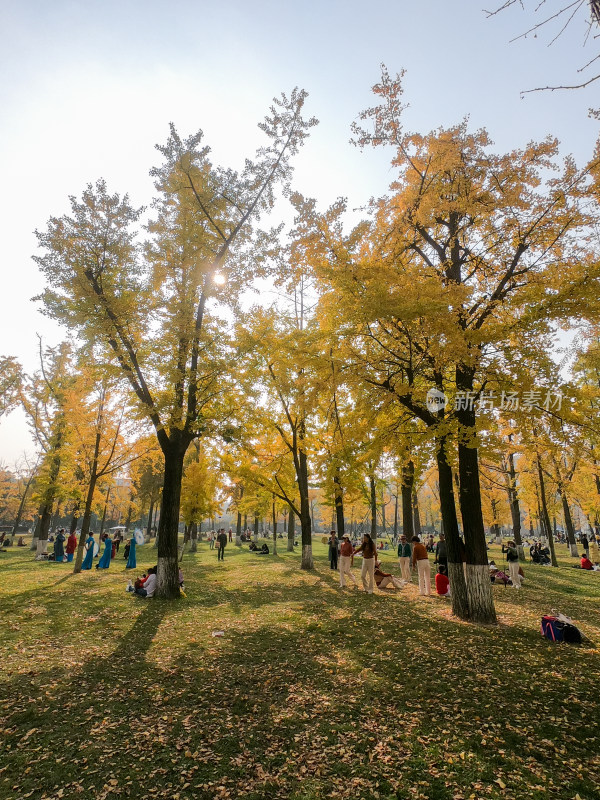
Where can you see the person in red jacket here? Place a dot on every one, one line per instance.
(442, 584)
(585, 562)
(71, 546)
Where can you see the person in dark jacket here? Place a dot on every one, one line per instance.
(441, 553)
(512, 558)
(333, 551)
(221, 541)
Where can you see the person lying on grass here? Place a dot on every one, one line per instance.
(385, 580)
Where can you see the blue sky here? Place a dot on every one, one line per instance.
(88, 88)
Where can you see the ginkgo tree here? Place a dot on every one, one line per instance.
(149, 307)
(11, 376)
(278, 371)
(469, 253)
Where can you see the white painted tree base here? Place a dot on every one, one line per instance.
(307, 557)
(41, 548)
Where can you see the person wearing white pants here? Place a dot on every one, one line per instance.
(512, 558)
(345, 561)
(404, 556)
(513, 574)
(420, 559)
(367, 573)
(383, 580)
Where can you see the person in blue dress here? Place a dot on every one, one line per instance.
(104, 562)
(131, 560)
(89, 552)
(59, 545)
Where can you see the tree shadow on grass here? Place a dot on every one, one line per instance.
(266, 710)
(90, 712)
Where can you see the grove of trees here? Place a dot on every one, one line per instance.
(408, 375)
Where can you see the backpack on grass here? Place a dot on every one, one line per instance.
(560, 629)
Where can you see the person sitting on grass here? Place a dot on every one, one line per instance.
(147, 586)
(497, 576)
(264, 550)
(385, 580)
(585, 562)
(442, 584)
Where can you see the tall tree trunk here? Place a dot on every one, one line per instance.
(305, 520)
(194, 537)
(373, 505)
(154, 524)
(256, 525)
(513, 499)
(85, 523)
(495, 526)
(238, 529)
(129, 513)
(396, 515)
(291, 530)
(274, 528)
(50, 492)
(186, 537)
(545, 515)
(569, 527)
(103, 520)
(338, 494)
(42, 542)
(167, 585)
(456, 575)
(416, 515)
(408, 480)
(36, 528)
(74, 518)
(479, 587)
(21, 505)
(149, 525)
(55, 517)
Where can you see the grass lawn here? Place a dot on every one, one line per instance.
(313, 691)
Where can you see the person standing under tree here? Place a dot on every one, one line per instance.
(333, 551)
(420, 559)
(512, 558)
(59, 551)
(346, 561)
(104, 562)
(71, 546)
(584, 543)
(89, 552)
(404, 556)
(441, 553)
(369, 552)
(221, 541)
